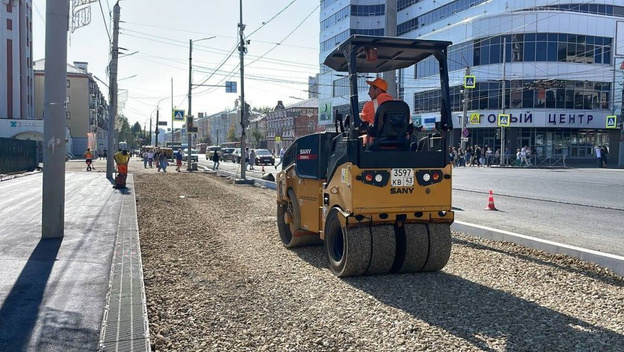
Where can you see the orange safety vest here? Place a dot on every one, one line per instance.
(370, 108)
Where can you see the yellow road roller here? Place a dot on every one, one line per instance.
(377, 196)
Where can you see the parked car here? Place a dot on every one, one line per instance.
(264, 157)
(228, 154)
(194, 155)
(210, 151)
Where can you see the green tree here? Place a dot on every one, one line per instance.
(262, 109)
(257, 136)
(123, 131)
(206, 139)
(137, 134)
(231, 134)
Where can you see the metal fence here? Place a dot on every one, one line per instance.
(17, 155)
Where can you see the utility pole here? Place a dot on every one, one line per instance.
(244, 112)
(172, 151)
(502, 149)
(112, 133)
(189, 160)
(54, 146)
(156, 132)
(465, 117)
(390, 31)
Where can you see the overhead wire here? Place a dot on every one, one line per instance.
(263, 55)
(110, 40)
(272, 18)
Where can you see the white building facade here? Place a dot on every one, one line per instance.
(555, 67)
(16, 73)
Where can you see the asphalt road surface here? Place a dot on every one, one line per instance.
(579, 207)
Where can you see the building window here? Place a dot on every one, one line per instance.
(68, 115)
(67, 85)
(523, 94)
(9, 24)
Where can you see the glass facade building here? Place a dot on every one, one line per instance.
(555, 69)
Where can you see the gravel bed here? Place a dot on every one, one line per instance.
(217, 278)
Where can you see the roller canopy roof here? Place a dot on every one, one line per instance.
(392, 53)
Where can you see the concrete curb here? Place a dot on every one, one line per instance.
(610, 261)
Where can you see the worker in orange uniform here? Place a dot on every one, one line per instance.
(122, 158)
(377, 92)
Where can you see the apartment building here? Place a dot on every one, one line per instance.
(87, 110)
(16, 75)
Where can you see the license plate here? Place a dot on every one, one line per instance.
(402, 177)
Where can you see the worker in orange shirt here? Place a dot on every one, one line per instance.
(122, 158)
(377, 92)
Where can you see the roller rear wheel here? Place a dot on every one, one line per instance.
(412, 248)
(439, 247)
(289, 225)
(383, 250)
(348, 250)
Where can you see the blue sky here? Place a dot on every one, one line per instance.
(282, 54)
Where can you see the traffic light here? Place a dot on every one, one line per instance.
(189, 121)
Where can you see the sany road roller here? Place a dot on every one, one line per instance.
(378, 196)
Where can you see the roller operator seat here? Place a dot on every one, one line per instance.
(391, 127)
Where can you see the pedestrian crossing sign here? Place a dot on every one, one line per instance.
(503, 120)
(611, 121)
(178, 115)
(470, 82)
(475, 118)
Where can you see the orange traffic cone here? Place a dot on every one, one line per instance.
(491, 205)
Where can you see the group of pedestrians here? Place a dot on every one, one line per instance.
(602, 155)
(156, 157)
(523, 156)
(473, 156)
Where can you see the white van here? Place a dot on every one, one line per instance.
(210, 151)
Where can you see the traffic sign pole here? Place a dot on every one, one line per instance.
(465, 117)
(502, 149)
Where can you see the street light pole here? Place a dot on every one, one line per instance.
(157, 116)
(244, 111)
(190, 88)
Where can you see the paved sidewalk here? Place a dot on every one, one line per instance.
(74, 293)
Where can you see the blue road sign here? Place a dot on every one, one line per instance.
(470, 82)
(230, 87)
(612, 121)
(178, 115)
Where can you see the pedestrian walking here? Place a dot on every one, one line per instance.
(157, 160)
(178, 158)
(162, 161)
(488, 156)
(246, 156)
(150, 158)
(252, 159)
(89, 159)
(215, 160)
(281, 156)
(604, 152)
(598, 151)
(144, 159)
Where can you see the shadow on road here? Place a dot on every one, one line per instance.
(19, 313)
(478, 313)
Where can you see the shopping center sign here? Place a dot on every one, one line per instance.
(524, 118)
